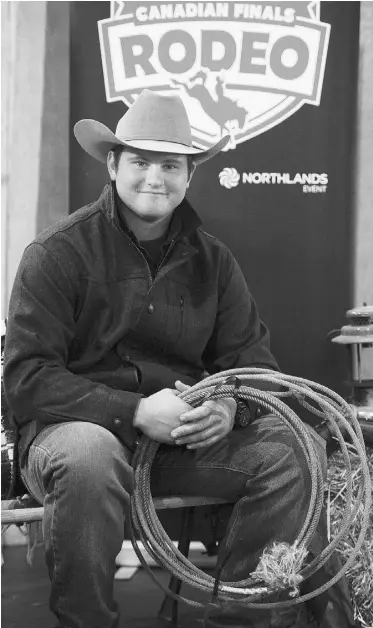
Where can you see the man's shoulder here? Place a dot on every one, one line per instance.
(211, 239)
(72, 226)
(68, 223)
(212, 244)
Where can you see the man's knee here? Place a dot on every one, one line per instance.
(280, 446)
(86, 454)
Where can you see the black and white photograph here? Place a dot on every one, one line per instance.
(186, 314)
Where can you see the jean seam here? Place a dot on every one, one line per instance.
(204, 466)
(52, 534)
(47, 453)
(54, 505)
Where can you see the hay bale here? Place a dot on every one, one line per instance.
(360, 574)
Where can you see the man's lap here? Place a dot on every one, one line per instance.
(221, 470)
(225, 469)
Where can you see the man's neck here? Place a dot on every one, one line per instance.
(142, 229)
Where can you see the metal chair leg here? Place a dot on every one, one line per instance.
(169, 607)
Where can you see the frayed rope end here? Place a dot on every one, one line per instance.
(279, 567)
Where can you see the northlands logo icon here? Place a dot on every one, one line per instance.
(229, 177)
(240, 68)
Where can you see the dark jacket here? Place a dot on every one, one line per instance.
(90, 331)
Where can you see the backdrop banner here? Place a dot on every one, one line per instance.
(280, 78)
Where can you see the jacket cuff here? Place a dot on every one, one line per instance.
(122, 408)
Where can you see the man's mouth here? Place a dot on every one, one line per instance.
(153, 193)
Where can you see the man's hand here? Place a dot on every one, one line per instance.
(205, 425)
(158, 415)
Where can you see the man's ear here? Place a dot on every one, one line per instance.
(111, 165)
(191, 172)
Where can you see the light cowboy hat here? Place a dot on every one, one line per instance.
(154, 122)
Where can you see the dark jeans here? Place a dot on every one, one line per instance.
(82, 474)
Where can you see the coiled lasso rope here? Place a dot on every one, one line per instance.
(282, 565)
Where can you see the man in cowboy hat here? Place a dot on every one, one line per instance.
(114, 311)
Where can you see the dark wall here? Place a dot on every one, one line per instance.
(296, 249)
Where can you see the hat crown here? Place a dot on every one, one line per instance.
(155, 117)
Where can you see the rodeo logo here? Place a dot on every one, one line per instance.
(240, 68)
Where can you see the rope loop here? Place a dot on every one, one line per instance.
(279, 567)
(231, 380)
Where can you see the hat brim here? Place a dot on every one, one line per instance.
(97, 140)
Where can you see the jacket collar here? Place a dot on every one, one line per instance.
(184, 220)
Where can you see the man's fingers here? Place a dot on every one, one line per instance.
(198, 437)
(194, 415)
(180, 387)
(195, 427)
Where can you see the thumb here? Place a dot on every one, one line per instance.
(180, 386)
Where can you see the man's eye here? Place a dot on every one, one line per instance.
(140, 164)
(170, 166)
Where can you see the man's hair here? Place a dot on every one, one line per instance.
(119, 149)
(117, 153)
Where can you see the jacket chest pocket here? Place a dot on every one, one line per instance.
(164, 318)
(177, 319)
(192, 316)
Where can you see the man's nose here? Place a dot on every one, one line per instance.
(155, 175)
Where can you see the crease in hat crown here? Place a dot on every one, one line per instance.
(150, 121)
(154, 122)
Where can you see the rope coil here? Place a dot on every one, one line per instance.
(269, 575)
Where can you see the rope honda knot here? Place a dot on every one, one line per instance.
(279, 567)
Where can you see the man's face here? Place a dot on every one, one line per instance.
(151, 184)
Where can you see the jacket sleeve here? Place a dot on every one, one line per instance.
(240, 339)
(40, 328)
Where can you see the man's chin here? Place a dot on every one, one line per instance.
(152, 219)
(155, 214)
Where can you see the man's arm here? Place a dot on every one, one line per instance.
(40, 329)
(38, 385)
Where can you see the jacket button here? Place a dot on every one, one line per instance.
(117, 422)
(151, 308)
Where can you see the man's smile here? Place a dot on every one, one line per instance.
(154, 193)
